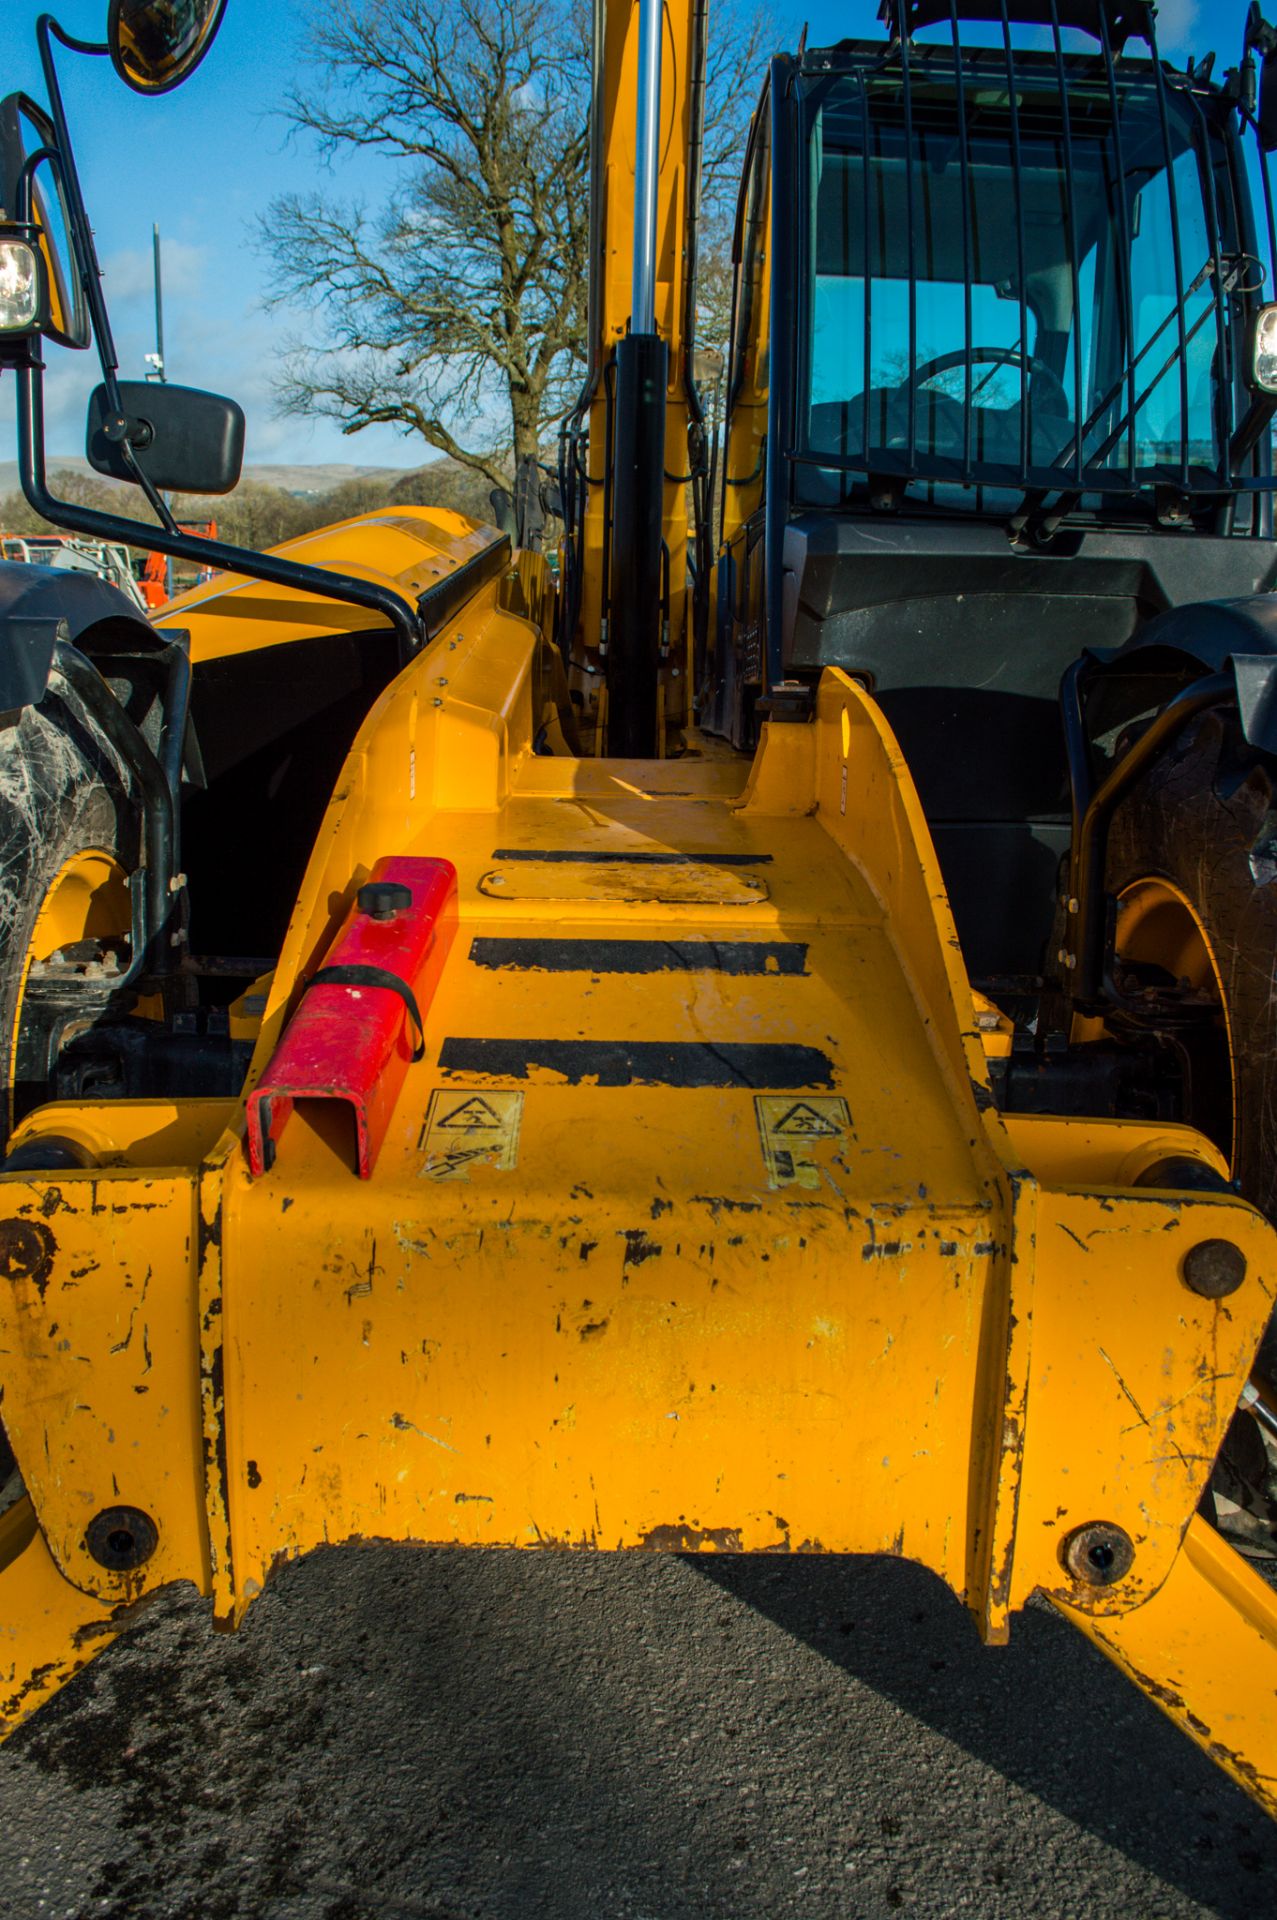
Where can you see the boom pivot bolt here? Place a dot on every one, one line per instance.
(383, 899)
(1213, 1268)
(1098, 1555)
(121, 1538)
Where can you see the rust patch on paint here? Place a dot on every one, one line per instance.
(684, 1539)
(1224, 1756)
(27, 1248)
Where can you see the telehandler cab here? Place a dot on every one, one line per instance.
(763, 1045)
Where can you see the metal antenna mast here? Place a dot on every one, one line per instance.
(156, 360)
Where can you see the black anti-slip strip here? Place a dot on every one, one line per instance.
(562, 855)
(640, 956)
(655, 1063)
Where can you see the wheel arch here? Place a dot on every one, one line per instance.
(82, 600)
(1236, 636)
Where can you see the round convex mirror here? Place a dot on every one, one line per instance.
(155, 44)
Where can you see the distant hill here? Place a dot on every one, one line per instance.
(272, 502)
(304, 481)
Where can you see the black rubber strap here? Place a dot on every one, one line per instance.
(374, 977)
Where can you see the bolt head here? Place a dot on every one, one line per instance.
(121, 1538)
(1213, 1269)
(1098, 1555)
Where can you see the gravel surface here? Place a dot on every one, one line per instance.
(491, 1735)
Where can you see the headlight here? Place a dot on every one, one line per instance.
(20, 288)
(1263, 351)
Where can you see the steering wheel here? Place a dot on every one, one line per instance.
(950, 411)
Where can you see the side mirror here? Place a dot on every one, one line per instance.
(37, 198)
(184, 441)
(156, 44)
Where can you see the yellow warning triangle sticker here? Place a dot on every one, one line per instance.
(471, 1116)
(802, 1119)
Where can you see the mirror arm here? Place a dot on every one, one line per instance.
(159, 506)
(69, 39)
(86, 257)
(403, 619)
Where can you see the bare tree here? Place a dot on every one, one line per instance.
(463, 297)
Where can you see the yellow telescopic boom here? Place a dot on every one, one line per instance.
(639, 398)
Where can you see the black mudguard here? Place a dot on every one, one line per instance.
(1206, 636)
(39, 605)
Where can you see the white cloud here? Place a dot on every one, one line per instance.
(67, 385)
(289, 441)
(1177, 27)
(129, 273)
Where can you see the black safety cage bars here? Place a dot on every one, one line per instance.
(1234, 271)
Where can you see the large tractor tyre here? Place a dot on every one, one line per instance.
(1192, 861)
(70, 834)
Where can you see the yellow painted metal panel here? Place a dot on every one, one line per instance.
(690, 1359)
(737, 1254)
(407, 549)
(1205, 1649)
(154, 1134)
(100, 1363)
(48, 1630)
(1124, 1380)
(1090, 1153)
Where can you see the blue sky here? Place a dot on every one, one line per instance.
(202, 161)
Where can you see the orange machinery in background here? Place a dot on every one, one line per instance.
(154, 577)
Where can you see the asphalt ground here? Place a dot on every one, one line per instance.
(406, 1733)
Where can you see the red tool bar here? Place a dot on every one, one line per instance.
(355, 1032)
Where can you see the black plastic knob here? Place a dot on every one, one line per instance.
(383, 899)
